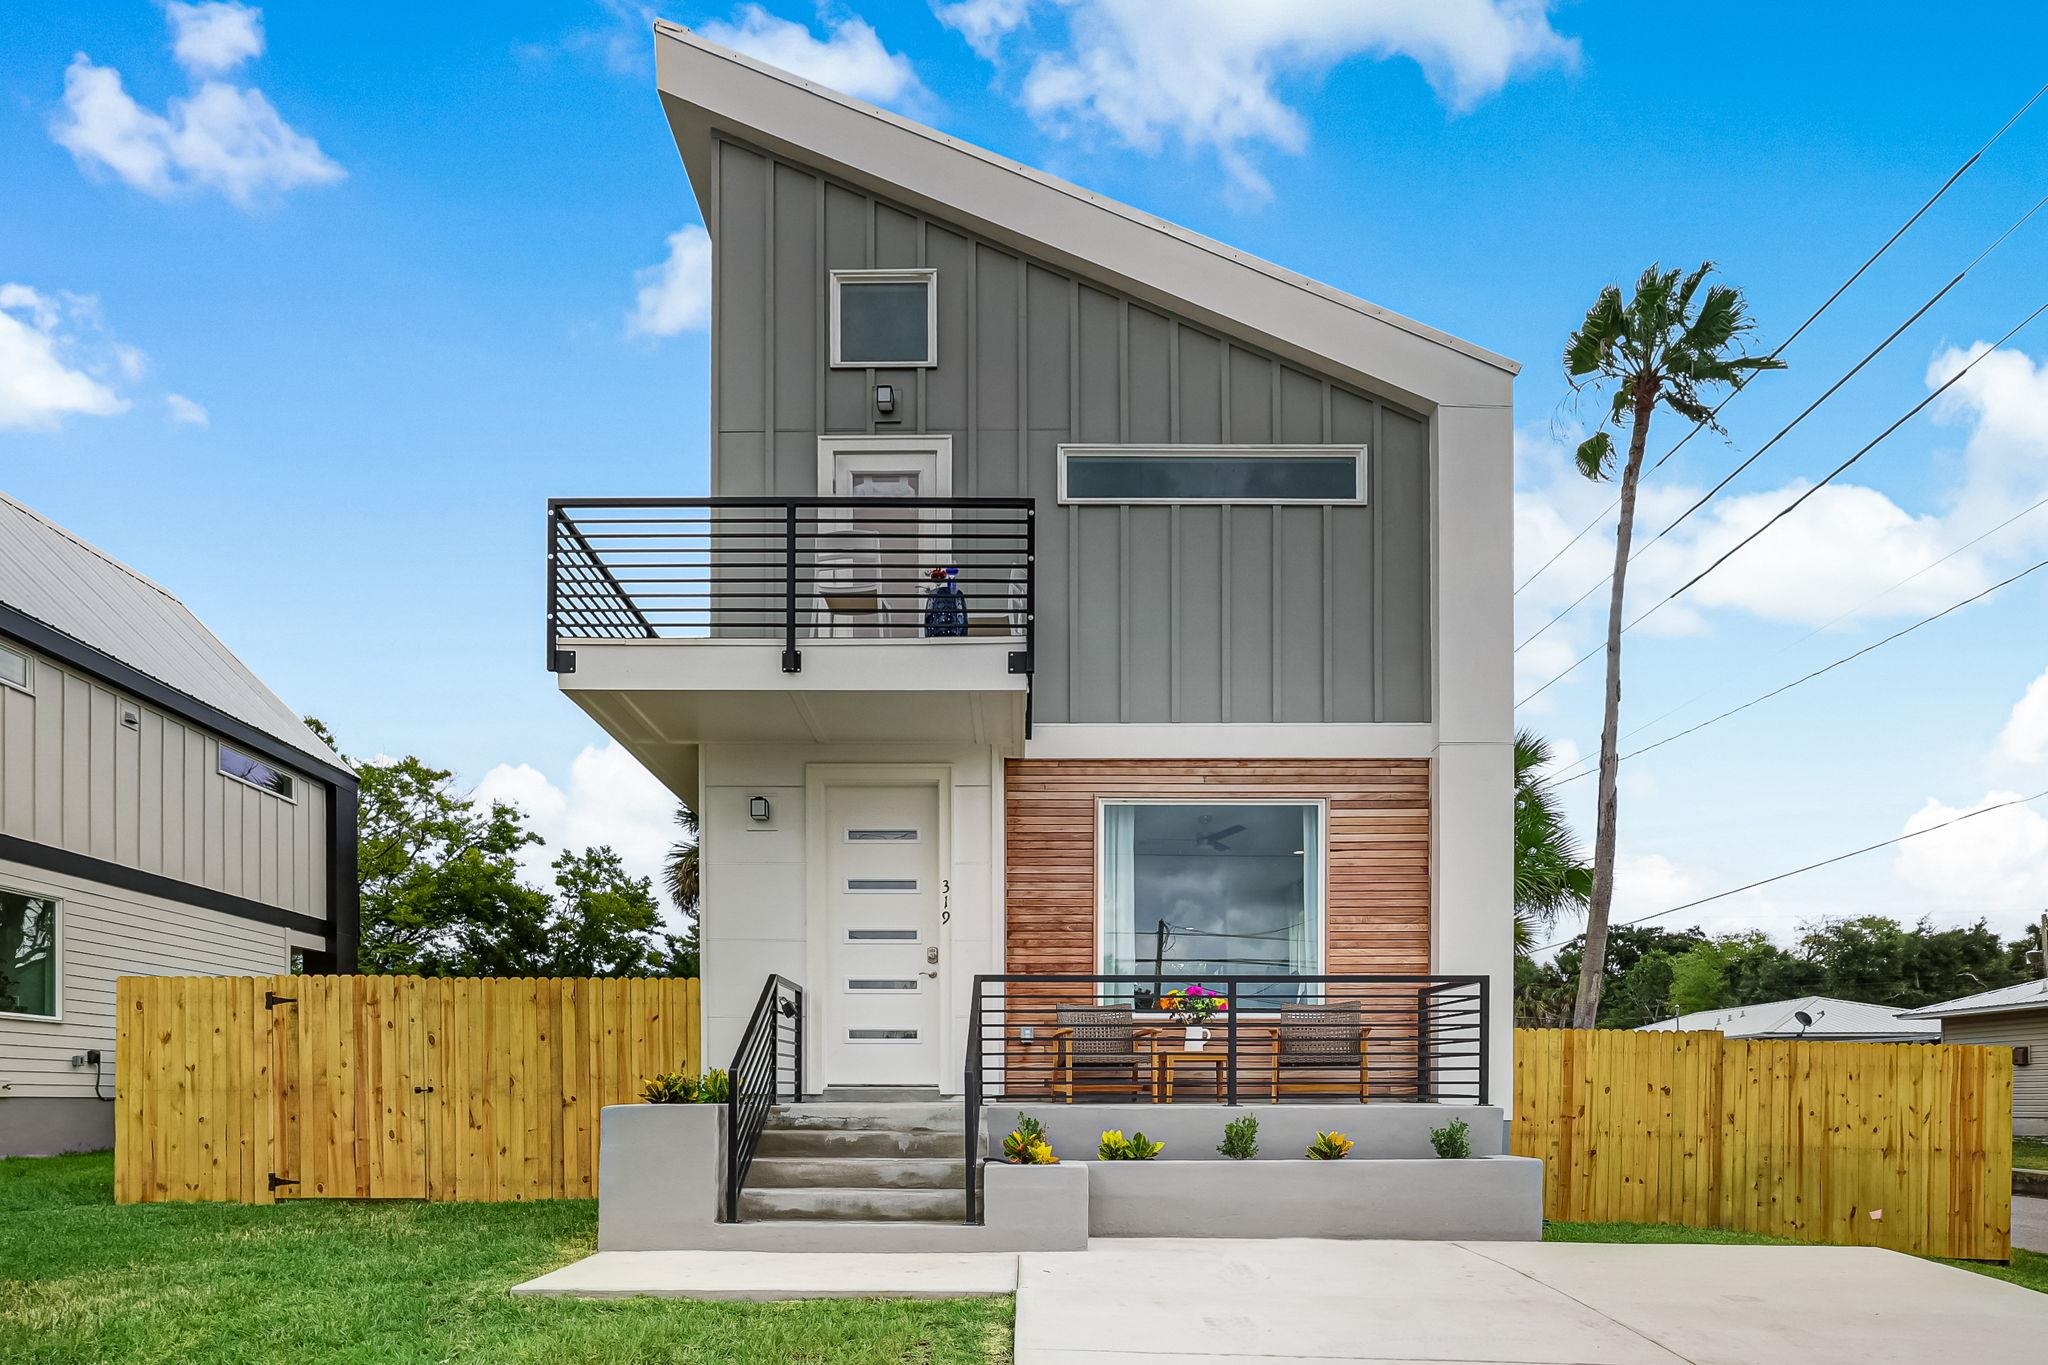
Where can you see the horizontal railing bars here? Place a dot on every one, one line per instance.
(778, 503)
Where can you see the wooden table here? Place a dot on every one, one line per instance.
(1164, 1060)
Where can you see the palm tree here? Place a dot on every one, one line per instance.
(1550, 875)
(679, 871)
(1656, 349)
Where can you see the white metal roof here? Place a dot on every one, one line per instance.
(711, 91)
(2028, 995)
(1838, 1020)
(71, 586)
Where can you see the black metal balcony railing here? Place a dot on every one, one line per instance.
(1332, 1039)
(792, 569)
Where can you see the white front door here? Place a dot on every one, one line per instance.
(883, 897)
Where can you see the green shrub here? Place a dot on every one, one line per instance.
(670, 1087)
(716, 1087)
(1330, 1147)
(1241, 1138)
(1137, 1147)
(1026, 1144)
(1453, 1141)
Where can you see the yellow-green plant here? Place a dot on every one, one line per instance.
(1330, 1147)
(1137, 1147)
(669, 1087)
(1026, 1144)
(715, 1088)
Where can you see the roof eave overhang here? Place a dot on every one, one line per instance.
(708, 91)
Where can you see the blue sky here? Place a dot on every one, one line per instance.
(394, 256)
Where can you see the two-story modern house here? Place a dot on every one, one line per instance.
(1077, 597)
(161, 812)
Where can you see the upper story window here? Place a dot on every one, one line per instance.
(28, 955)
(13, 668)
(254, 771)
(886, 319)
(1240, 474)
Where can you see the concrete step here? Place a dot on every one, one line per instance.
(877, 1173)
(868, 1117)
(827, 1143)
(880, 1094)
(826, 1204)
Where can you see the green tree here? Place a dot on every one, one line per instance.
(1657, 349)
(1550, 875)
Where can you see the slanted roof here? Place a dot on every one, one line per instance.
(1833, 1021)
(710, 91)
(2028, 995)
(80, 591)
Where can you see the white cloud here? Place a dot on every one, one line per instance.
(213, 38)
(674, 296)
(610, 799)
(221, 137)
(1988, 865)
(2023, 743)
(184, 411)
(850, 59)
(52, 364)
(1209, 75)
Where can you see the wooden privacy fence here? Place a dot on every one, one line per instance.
(1893, 1145)
(253, 1089)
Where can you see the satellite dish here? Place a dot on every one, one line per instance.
(1805, 1019)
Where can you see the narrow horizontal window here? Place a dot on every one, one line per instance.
(882, 1035)
(885, 318)
(254, 771)
(881, 836)
(881, 883)
(28, 955)
(1234, 474)
(881, 935)
(13, 668)
(882, 983)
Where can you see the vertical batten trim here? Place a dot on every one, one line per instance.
(1173, 615)
(1173, 379)
(1329, 637)
(768, 329)
(1074, 523)
(924, 417)
(867, 406)
(971, 447)
(1223, 607)
(1376, 668)
(717, 315)
(1273, 623)
(1123, 614)
(822, 319)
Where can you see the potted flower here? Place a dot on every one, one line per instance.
(1194, 1007)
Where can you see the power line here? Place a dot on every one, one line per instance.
(1786, 430)
(1797, 502)
(1586, 766)
(1813, 317)
(1825, 862)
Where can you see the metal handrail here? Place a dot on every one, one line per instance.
(755, 1078)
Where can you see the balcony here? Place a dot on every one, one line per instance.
(676, 621)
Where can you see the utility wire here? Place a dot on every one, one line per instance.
(1795, 504)
(1825, 862)
(1782, 432)
(1813, 317)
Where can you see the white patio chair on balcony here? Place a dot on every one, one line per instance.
(853, 602)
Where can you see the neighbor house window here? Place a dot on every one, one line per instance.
(885, 318)
(13, 668)
(28, 955)
(257, 773)
(1196, 891)
(1242, 474)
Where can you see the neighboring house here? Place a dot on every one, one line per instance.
(1812, 1018)
(1226, 685)
(161, 812)
(2014, 1017)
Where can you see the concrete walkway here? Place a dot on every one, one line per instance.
(778, 1275)
(1513, 1303)
(2030, 1223)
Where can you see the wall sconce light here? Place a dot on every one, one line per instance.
(2022, 1055)
(757, 809)
(885, 398)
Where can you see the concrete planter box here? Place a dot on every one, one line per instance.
(1489, 1199)
(1191, 1132)
(660, 1175)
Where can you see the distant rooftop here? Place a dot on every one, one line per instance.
(1840, 1021)
(2028, 995)
(75, 588)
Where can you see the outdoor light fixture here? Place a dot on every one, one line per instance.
(885, 398)
(757, 809)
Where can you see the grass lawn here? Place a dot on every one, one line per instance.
(2028, 1269)
(2030, 1153)
(83, 1280)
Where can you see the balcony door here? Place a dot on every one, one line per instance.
(872, 564)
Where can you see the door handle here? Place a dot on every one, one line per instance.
(933, 975)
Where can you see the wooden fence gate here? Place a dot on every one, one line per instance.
(1906, 1146)
(251, 1089)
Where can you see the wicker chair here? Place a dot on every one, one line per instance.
(1096, 1048)
(1330, 1039)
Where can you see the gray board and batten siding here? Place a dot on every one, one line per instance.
(1194, 614)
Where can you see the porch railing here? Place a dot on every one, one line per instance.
(790, 569)
(768, 1064)
(1335, 1038)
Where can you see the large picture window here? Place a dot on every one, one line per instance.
(1196, 891)
(28, 955)
(1315, 475)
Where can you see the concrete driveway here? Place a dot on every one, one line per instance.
(2030, 1223)
(1152, 1302)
